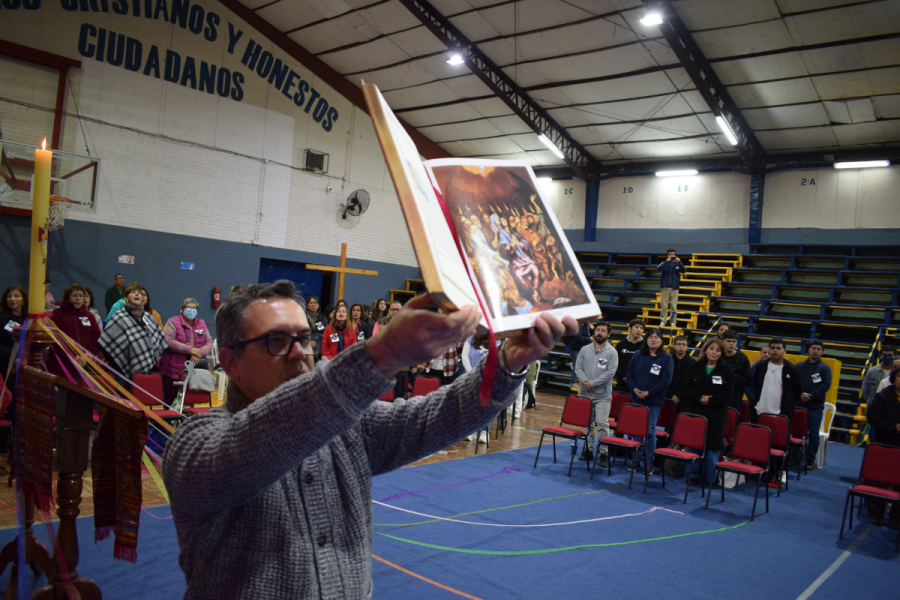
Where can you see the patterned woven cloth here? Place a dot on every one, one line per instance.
(35, 406)
(134, 346)
(116, 473)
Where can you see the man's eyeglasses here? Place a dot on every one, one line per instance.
(280, 344)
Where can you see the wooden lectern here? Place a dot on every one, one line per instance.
(74, 419)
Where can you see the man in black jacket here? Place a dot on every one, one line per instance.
(776, 383)
(682, 361)
(633, 342)
(740, 365)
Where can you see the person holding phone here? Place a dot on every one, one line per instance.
(669, 282)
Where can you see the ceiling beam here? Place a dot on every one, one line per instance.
(579, 159)
(708, 83)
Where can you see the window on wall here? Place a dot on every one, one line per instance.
(27, 100)
(318, 283)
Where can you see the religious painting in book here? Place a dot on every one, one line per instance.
(515, 246)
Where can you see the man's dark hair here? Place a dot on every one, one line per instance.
(634, 322)
(729, 335)
(231, 318)
(815, 343)
(719, 326)
(680, 338)
(119, 275)
(602, 324)
(776, 341)
(671, 250)
(887, 348)
(645, 349)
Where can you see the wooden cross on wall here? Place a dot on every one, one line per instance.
(341, 271)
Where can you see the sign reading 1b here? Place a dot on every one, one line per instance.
(73, 178)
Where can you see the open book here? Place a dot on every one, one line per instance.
(515, 250)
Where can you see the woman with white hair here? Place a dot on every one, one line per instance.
(189, 339)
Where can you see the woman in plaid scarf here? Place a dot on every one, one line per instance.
(132, 340)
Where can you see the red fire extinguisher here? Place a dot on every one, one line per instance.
(217, 297)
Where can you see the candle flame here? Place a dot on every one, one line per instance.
(44, 144)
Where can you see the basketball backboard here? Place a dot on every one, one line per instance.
(73, 177)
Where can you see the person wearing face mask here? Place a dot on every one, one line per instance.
(338, 335)
(189, 340)
(73, 318)
(707, 392)
(132, 341)
(13, 311)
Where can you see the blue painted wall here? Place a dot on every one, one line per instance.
(88, 253)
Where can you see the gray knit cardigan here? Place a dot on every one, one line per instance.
(273, 498)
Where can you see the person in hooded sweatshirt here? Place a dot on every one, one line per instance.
(73, 318)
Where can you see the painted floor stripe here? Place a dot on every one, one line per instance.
(834, 566)
(425, 579)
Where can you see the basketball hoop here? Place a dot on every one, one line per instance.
(59, 210)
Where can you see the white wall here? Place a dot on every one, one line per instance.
(565, 197)
(830, 198)
(181, 160)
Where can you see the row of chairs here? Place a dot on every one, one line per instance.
(148, 388)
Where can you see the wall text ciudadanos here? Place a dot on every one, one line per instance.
(118, 50)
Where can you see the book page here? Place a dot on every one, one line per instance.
(445, 275)
(516, 248)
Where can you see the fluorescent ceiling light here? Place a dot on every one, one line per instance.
(862, 164)
(685, 173)
(455, 59)
(653, 17)
(726, 129)
(551, 145)
(545, 180)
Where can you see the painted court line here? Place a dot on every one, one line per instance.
(834, 566)
(412, 512)
(425, 579)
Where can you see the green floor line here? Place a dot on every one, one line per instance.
(551, 550)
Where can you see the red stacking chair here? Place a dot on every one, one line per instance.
(745, 412)
(666, 420)
(880, 465)
(731, 424)
(618, 401)
(800, 437)
(425, 385)
(388, 396)
(576, 412)
(689, 432)
(751, 443)
(152, 382)
(632, 422)
(780, 426)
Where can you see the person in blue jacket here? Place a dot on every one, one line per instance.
(649, 374)
(669, 282)
(815, 380)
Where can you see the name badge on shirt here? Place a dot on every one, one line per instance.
(655, 369)
(816, 378)
(10, 326)
(199, 331)
(320, 325)
(85, 321)
(360, 336)
(717, 380)
(602, 363)
(334, 338)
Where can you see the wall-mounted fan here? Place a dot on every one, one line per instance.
(348, 214)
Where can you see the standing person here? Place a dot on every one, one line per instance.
(89, 302)
(115, 293)
(446, 365)
(368, 324)
(883, 415)
(338, 334)
(13, 311)
(708, 392)
(722, 328)
(681, 363)
(356, 322)
(317, 323)
(73, 318)
(887, 380)
(815, 381)
(877, 373)
(146, 298)
(649, 375)
(132, 341)
(381, 309)
(669, 282)
(291, 456)
(625, 349)
(776, 384)
(595, 367)
(49, 302)
(393, 310)
(740, 366)
(575, 343)
(189, 340)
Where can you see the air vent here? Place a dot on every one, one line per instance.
(315, 161)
